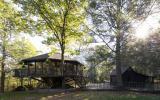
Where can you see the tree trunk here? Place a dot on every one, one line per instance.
(2, 68)
(62, 43)
(118, 62)
(2, 78)
(118, 47)
(62, 67)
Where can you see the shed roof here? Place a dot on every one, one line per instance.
(123, 70)
(54, 57)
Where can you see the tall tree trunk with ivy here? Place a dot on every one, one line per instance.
(118, 62)
(118, 46)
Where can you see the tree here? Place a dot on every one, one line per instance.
(61, 19)
(9, 25)
(22, 48)
(144, 54)
(112, 21)
(98, 60)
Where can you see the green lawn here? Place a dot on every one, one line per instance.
(80, 95)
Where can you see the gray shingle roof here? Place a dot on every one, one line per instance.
(43, 57)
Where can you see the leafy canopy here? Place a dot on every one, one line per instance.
(61, 20)
(11, 24)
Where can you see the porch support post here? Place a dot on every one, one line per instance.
(35, 67)
(77, 69)
(21, 79)
(29, 81)
(42, 67)
(28, 69)
(74, 81)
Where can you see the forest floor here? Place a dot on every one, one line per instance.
(80, 95)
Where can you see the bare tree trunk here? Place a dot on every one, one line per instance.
(2, 68)
(2, 78)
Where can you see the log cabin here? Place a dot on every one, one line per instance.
(47, 70)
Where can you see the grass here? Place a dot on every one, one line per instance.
(22, 96)
(79, 95)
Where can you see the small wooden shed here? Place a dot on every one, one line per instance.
(130, 78)
(47, 69)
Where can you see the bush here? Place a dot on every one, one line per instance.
(29, 87)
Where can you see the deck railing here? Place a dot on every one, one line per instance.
(45, 72)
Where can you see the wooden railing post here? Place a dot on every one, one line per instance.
(77, 69)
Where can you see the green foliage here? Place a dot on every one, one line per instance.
(9, 18)
(11, 23)
(101, 61)
(22, 49)
(61, 20)
(144, 54)
(100, 54)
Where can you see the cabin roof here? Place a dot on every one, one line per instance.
(54, 57)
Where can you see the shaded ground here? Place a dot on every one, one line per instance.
(80, 95)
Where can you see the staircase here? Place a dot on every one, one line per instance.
(78, 81)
